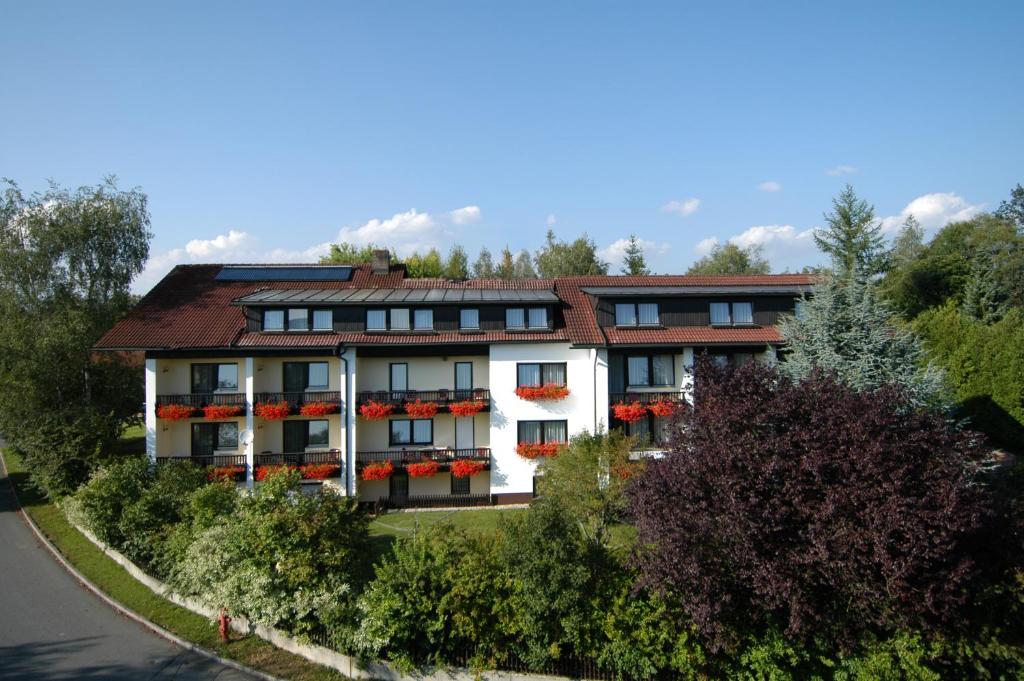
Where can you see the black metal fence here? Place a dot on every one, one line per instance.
(218, 460)
(443, 397)
(442, 455)
(674, 396)
(200, 400)
(298, 458)
(432, 501)
(297, 399)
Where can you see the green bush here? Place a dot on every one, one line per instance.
(110, 491)
(201, 510)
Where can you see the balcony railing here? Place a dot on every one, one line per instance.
(647, 397)
(297, 399)
(441, 455)
(217, 460)
(200, 400)
(298, 458)
(433, 501)
(444, 398)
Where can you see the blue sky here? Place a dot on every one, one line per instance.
(265, 131)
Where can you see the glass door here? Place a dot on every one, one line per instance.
(463, 380)
(398, 488)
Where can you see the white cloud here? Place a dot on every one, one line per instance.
(784, 246)
(222, 245)
(770, 186)
(464, 216)
(705, 246)
(551, 220)
(684, 207)
(933, 211)
(399, 229)
(614, 253)
(841, 170)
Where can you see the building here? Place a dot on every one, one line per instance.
(383, 385)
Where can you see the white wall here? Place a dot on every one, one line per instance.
(425, 373)
(585, 375)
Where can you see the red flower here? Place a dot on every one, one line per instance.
(420, 409)
(378, 471)
(263, 471)
(467, 408)
(272, 411)
(231, 473)
(175, 412)
(633, 411)
(549, 391)
(375, 411)
(423, 469)
(466, 469)
(662, 408)
(318, 408)
(319, 471)
(534, 450)
(222, 411)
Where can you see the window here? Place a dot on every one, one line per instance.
(742, 313)
(469, 318)
(538, 318)
(298, 319)
(515, 318)
(463, 375)
(734, 313)
(460, 486)
(376, 320)
(323, 320)
(650, 430)
(273, 320)
(720, 313)
(633, 314)
(302, 435)
(423, 320)
(400, 319)
(542, 432)
(208, 378)
(318, 379)
(741, 358)
(208, 438)
(535, 374)
(399, 377)
(650, 370)
(412, 432)
(302, 376)
(799, 310)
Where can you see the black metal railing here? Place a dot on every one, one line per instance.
(215, 460)
(443, 397)
(297, 399)
(298, 458)
(433, 501)
(675, 396)
(200, 400)
(441, 455)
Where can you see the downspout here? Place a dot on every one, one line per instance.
(344, 444)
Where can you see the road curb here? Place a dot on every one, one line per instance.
(85, 582)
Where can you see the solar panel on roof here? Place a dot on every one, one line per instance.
(284, 273)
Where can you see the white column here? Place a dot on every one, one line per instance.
(601, 398)
(250, 446)
(151, 409)
(686, 384)
(348, 419)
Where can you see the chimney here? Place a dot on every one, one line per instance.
(381, 262)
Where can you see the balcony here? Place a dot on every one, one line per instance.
(327, 456)
(674, 396)
(443, 455)
(216, 460)
(430, 501)
(297, 399)
(444, 398)
(200, 400)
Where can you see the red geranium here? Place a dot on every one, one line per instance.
(662, 408)
(423, 469)
(629, 412)
(375, 411)
(378, 471)
(263, 471)
(420, 409)
(319, 471)
(533, 450)
(467, 408)
(549, 391)
(222, 411)
(272, 411)
(318, 408)
(467, 469)
(231, 473)
(175, 412)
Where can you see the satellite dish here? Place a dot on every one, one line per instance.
(246, 437)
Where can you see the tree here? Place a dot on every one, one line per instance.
(560, 259)
(483, 268)
(845, 328)
(457, 265)
(1012, 210)
(983, 299)
(432, 265)
(823, 510)
(524, 266)
(633, 261)
(67, 259)
(507, 267)
(909, 242)
(351, 254)
(731, 259)
(853, 237)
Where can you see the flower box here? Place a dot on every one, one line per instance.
(420, 409)
(467, 469)
(230, 473)
(175, 412)
(378, 471)
(319, 471)
(272, 411)
(534, 450)
(423, 469)
(629, 411)
(548, 392)
(375, 411)
(262, 472)
(467, 407)
(222, 411)
(318, 408)
(662, 408)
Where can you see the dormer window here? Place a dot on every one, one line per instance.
(469, 318)
(423, 320)
(637, 314)
(518, 318)
(728, 314)
(376, 320)
(273, 320)
(400, 319)
(323, 320)
(515, 318)
(538, 318)
(298, 319)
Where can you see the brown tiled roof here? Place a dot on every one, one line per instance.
(189, 308)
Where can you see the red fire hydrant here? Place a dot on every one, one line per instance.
(225, 625)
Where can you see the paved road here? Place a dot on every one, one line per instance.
(51, 628)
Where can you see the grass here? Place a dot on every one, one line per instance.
(119, 585)
(133, 440)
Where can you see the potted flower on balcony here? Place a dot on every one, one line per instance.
(629, 412)
(546, 393)
(662, 408)
(466, 468)
(175, 412)
(380, 470)
(467, 407)
(319, 471)
(213, 412)
(272, 411)
(318, 408)
(375, 411)
(262, 472)
(230, 473)
(420, 409)
(535, 450)
(423, 469)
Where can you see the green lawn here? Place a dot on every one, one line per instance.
(117, 583)
(133, 440)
